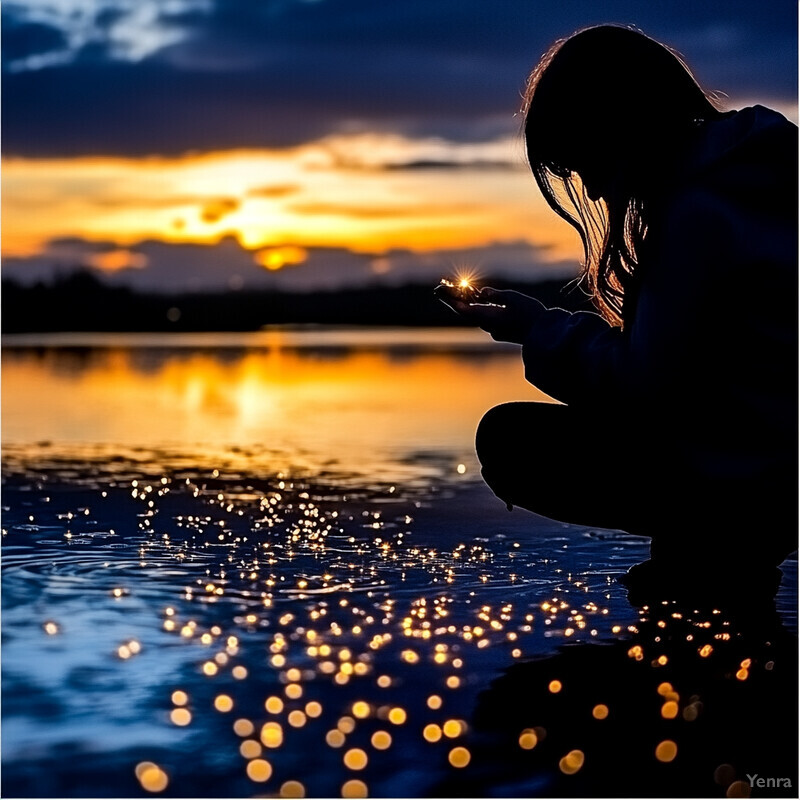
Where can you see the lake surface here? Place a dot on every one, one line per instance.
(355, 397)
(259, 564)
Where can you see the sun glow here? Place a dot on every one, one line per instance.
(273, 258)
(324, 194)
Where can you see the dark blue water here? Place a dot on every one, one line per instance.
(219, 632)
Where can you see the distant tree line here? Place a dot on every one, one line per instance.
(81, 301)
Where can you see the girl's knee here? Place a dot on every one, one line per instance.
(504, 447)
(498, 427)
(517, 432)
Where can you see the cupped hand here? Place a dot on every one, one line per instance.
(505, 314)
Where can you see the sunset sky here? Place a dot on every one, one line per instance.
(301, 144)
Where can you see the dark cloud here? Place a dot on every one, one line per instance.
(214, 210)
(275, 191)
(438, 164)
(398, 211)
(166, 267)
(246, 74)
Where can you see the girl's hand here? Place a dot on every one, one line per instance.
(507, 315)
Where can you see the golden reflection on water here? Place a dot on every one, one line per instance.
(310, 589)
(338, 402)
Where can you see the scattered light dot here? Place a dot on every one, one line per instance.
(453, 682)
(294, 691)
(151, 777)
(274, 705)
(354, 788)
(571, 762)
(461, 469)
(50, 628)
(397, 716)
(452, 728)
(600, 711)
(724, 774)
(666, 750)
(142, 766)
(691, 712)
(346, 724)
(384, 681)
(432, 732)
(361, 709)
(355, 758)
(664, 688)
(243, 727)
(250, 748)
(272, 734)
(669, 710)
(259, 770)
(381, 740)
(180, 698)
(239, 672)
(742, 674)
(459, 757)
(334, 738)
(210, 668)
(180, 716)
(296, 719)
(554, 686)
(223, 703)
(313, 709)
(434, 702)
(738, 789)
(528, 739)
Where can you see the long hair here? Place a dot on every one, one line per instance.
(609, 100)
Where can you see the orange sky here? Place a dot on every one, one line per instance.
(350, 192)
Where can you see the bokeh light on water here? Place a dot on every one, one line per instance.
(266, 621)
(244, 619)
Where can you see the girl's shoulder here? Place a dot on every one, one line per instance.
(744, 165)
(754, 141)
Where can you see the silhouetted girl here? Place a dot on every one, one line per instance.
(680, 394)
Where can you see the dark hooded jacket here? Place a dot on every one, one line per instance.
(699, 385)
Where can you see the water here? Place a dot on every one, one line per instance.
(266, 564)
